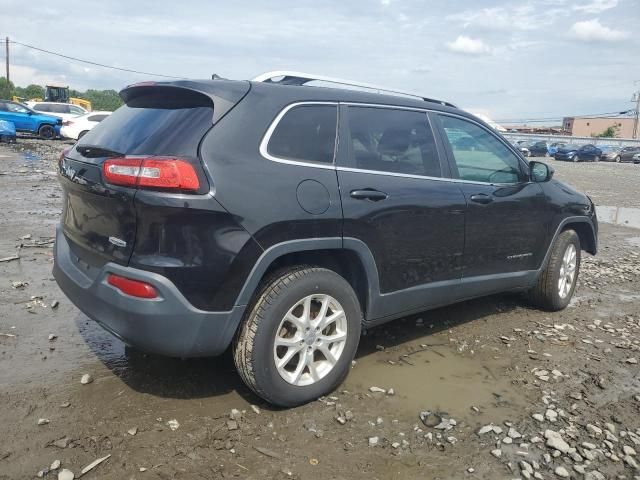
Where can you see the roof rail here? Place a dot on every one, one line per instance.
(285, 77)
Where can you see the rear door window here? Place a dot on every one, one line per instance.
(478, 155)
(390, 140)
(306, 133)
(42, 107)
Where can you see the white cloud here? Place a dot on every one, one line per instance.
(468, 46)
(528, 16)
(594, 31)
(596, 6)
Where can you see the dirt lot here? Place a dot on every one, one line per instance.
(512, 392)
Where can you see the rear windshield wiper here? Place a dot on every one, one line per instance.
(95, 151)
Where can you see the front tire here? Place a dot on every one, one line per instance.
(557, 282)
(299, 337)
(618, 159)
(46, 132)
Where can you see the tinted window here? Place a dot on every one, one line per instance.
(59, 108)
(76, 110)
(306, 133)
(3, 107)
(42, 107)
(479, 155)
(387, 140)
(97, 118)
(154, 124)
(15, 108)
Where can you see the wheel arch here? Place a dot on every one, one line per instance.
(585, 233)
(351, 259)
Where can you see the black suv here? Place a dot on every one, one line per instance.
(282, 218)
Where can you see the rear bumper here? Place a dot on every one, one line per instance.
(167, 325)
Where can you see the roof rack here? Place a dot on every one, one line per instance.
(285, 77)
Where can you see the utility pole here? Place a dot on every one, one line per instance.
(636, 98)
(7, 58)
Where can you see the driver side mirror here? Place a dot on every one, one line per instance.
(540, 172)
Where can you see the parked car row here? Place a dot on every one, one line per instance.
(49, 120)
(578, 153)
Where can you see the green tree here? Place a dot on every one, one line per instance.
(6, 91)
(32, 91)
(610, 132)
(103, 99)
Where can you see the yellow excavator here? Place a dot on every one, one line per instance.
(58, 94)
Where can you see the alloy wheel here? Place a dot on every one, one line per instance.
(310, 339)
(567, 271)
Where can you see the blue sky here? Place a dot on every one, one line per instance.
(508, 59)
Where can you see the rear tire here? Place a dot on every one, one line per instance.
(550, 293)
(46, 132)
(281, 324)
(618, 159)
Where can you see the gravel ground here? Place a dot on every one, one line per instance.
(486, 389)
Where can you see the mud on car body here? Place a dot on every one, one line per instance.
(281, 219)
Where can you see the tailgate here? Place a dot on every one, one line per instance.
(98, 219)
(159, 123)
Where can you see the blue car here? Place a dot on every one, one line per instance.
(27, 120)
(553, 148)
(574, 153)
(7, 132)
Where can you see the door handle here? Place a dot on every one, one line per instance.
(367, 194)
(481, 198)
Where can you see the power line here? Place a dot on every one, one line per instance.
(617, 114)
(92, 63)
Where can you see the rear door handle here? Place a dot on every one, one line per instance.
(481, 198)
(367, 194)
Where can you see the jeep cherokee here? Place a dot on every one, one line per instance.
(282, 218)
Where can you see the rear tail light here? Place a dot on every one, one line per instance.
(135, 288)
(152, 172)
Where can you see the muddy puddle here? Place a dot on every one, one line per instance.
(438, 379)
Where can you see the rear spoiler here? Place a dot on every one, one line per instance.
(222, 94)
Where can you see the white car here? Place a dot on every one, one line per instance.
(76, 127)
(65, 111)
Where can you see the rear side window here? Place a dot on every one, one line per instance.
(97, 118)
(479, 156)
(160, 122)
(388, 140)
(306, 133)
(42, 107)
(76, 110)
(59, 108)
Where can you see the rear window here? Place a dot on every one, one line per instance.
(306, 133)
(155, 123)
